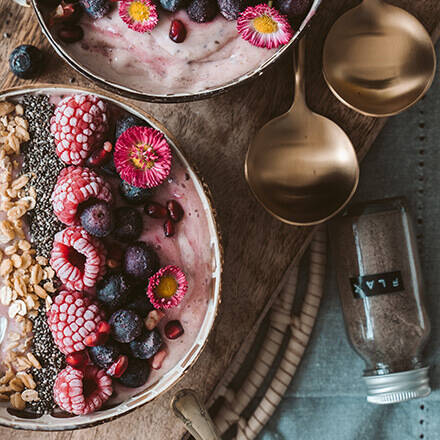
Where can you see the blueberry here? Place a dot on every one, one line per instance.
(128, 224)
(97, 218)
(140, 304)
(104, 355)
(26, 61)
(293, 8)
(136, 373)
(146, 345)
(140, 262)
(202, 11)
(230, 9)
(126, 122)
(113, 290)
(126, 325)
(133, 194)
(96, 8)
(173, 5)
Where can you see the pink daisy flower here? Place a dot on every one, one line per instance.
(142, 157)
(140, 15)
(167, 287)
(264, 26)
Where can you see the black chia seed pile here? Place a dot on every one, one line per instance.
(44, 166)
(51, 360)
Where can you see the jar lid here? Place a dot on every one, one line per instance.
(398, 387)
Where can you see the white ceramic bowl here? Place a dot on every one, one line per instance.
(21, 420)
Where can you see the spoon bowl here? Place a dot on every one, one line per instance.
(301, 166)
(378, 59)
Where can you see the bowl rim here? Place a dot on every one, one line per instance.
(193, 353)
(172, 97)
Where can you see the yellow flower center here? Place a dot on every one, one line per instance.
(167, 287)
(265, 24)
(139, 11)
(143, 156)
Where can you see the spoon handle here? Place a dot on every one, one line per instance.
(190, 410)
(299, 60)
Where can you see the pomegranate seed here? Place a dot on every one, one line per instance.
(117, 368)
(101, 155)
(177, 31)
(173, 329)
(155, 210)
(70, 33)
(158, 358)
(104, 328)
(78, 359)
(169, 228)
(95, 339)
(175, 210)
(153, 319)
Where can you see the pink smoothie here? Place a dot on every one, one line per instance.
(213, 54)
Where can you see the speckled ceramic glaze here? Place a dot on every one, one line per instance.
(126, 401)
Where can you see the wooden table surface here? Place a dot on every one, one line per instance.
(214, 134)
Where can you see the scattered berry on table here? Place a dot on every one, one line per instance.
(97, 218)
(127, 122)
(126, 325)
(146, 345)
(76, 185)
(167, 287)
(128, 224)
(82, 391)
(113, 290)
(70, 33)
(136, 373)
(133, 194)
(26, 61)
(177, 31)
(72, 317)
(96, 8)
(155, 210)
(175, 210)
(77, 258)
(173, 329)
(78, 125)
(169, 228)
(202, 11)
(104, 355)
(140, 262)
(142, 157)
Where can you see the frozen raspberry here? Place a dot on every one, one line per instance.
(82, 391)
(77, 258)
(72, 317)
(76, 185)
(78, 125)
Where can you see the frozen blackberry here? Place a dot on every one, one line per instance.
(146, 345)
(230, 9)
(96, 8)
(133, 194)
(136, 373)
(26, 61)
(113, 290)
(127, 122)
(202, 11)
(128, 224)
(97, 218)
(104, 355)
(140, 262)
(126, 325)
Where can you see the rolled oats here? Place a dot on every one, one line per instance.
(17, 402)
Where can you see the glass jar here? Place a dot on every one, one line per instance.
(380, 286)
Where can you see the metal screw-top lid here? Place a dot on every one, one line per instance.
(398, 387)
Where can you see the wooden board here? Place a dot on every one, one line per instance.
(214, 134)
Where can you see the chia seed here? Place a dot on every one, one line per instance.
(44, 166)
(51, 360)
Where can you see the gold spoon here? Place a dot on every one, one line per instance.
(301, 166)
(378, 59)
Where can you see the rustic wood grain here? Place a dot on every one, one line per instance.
(214, 134)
